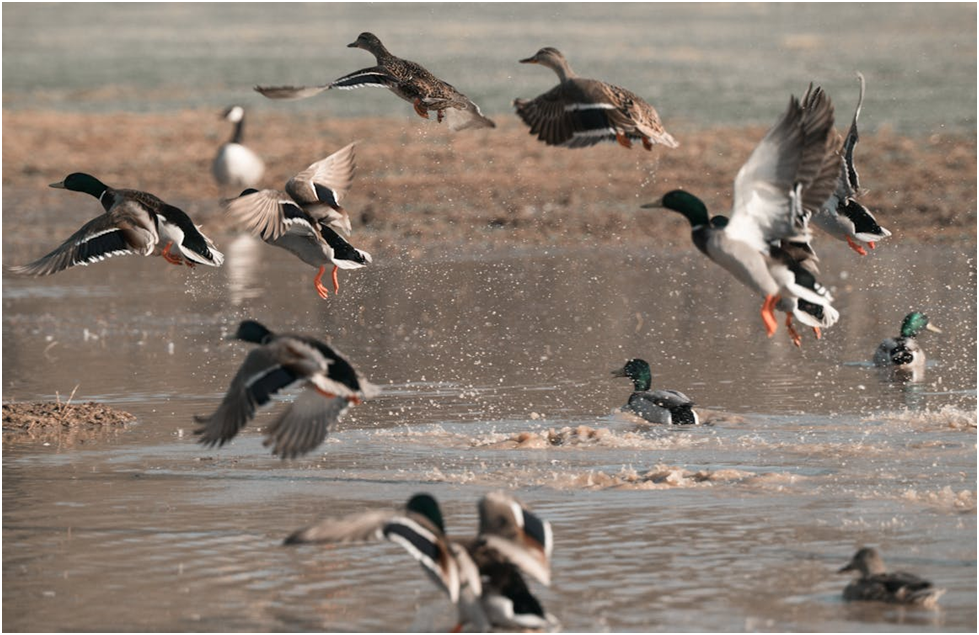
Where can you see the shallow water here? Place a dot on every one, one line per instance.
(496, 370)
(919, 59)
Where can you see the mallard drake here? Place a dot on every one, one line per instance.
(236, 165)
(331, 385)
(876, 585)
(134, 222)
(903, 352)
(581, 112)
(655, 406)
(408, 80)
(765, 241)
(306, 217)
(481, 575)
(841, 216)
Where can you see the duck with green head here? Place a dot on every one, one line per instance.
(903, 352)
(764, 242)
(134, 222)
(655, 406)
(482, 575)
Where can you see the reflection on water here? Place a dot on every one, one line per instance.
(495, 372)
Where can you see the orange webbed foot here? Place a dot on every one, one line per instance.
(855, 246)
(768, 314)
(794, 334)
(420, 109)
(336, 283)
(818, 333)
(872, 244)
(318, 284)
(173, 260)
(622, 139)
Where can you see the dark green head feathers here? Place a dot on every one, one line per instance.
(252, 331)
(689, 205)
(427, 506)
(81, 182)
(914, 323)
(638, 371)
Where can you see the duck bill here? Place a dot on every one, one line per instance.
(352, 45)
(60, 185)
(529, 60)
(619, 372)
(652, 206)
(931, 327)
(848, 567)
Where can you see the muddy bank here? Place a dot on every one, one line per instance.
(65, 423)
(420, 186)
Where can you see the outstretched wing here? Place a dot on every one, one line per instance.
(305, 424)
(290, 92)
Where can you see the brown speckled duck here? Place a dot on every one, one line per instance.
(406, 79)
(875, 584)
(581, 112)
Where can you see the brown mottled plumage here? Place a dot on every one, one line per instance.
(581, 112)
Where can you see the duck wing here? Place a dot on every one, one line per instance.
(320, 187)
(291, 92)
(261, 212)
(376, 76)
(852, 136)
(516, 534)
(571, 114)
(304, 424)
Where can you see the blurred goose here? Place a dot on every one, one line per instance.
(655, 406)
(406, 79)
(581, 112)
(764, 242)
(482, 574)
(236, 165)
(876, 585)
(330, 385)
(903, 352)
(134, 222)
(841, 216)
(307, 217)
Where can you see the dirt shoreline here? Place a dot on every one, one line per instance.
(418, 185)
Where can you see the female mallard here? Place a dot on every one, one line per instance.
(305, 218)
(581, 112)
(331, 385)
(764, 243)
(903, 352)
(655, 406)
(236, 165)
(841, 216)
(134, 223)
(406, 79)
(876, 585)
(481, 575)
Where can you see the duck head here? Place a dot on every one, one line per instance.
(689, 205)
(81, 182)
(426, 505)
(552, 59)
(867, 561)
(252, 331)
(638, 371)
(915, 322)
(234, 114)
(370, 43)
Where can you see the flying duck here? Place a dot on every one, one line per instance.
(876, 585)
(655, 406)
(236, 165)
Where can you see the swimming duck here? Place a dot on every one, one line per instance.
(307, 217)
(876, 585)
(765, 241)
(655, 406)
(406, 79)
(236, 165)
(841, 216)
(903, 352)
(482, 574)
(330, 382)
(134, 222)
(581, 112)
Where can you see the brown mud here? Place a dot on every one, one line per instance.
(63, 423)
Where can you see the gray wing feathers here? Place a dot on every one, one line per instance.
(260, 213)
(290, 92)
(335, 172)
(363, 527)
(304, 424)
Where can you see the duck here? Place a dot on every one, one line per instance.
(330, 386)
(481, 575)
(406, 79)
(655, 406)
(134, 223)
(765, 241)
(307, 219)
(582, 112)
(903, 352)
(842, 216)
(236, 165)
(875, 584)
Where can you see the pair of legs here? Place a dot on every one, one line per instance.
(771, 324)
